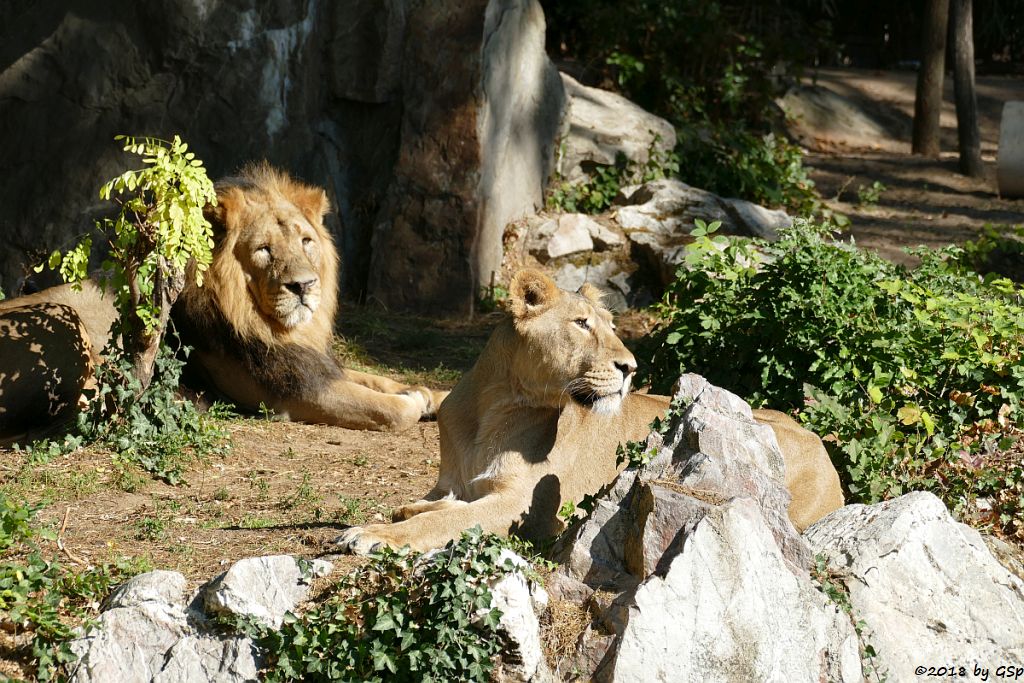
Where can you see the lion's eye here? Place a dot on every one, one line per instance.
(583, 323)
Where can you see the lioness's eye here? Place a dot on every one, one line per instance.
(583, 323)
(306, 241)
(263, 251)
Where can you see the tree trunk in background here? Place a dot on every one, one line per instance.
(928, 101)
(961, 14)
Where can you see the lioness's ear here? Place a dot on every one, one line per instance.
(531, 291)
(312, 201)
(226, 213)
(591, 294)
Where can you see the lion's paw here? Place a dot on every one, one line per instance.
(426, 400)
(362, 540)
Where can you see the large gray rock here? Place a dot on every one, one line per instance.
(482, 106)
(728, 608)
(926, 587)
(712, 452)
(821, 118)
(264, 588)
(149, 631)
(658, 217)
(198, 658)
(600, 125)
(129, 640)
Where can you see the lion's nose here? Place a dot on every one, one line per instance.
(627, 368)
(300, 287)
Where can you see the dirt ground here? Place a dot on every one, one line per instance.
(289, 488)
(926, 201)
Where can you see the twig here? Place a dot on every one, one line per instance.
(60, 540)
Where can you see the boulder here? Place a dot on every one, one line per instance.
(570, 236)
(199, 658)
(657, 218)
(129, 640)
(264, 588)
(728, 608)
(820, 118)
(600, 125)
(926, 587)
(609, 275)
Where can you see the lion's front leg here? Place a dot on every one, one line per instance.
(495, 513)
(351, 405)
(432, 398)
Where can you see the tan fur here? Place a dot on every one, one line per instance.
(46, 361)
(515, 444)
(264, 209)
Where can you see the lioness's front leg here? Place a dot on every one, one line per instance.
(496, 513)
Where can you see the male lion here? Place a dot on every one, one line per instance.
(537, 420)
(262, 323)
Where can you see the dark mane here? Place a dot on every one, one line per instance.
(286, 370)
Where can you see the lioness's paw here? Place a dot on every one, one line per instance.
(362, 540)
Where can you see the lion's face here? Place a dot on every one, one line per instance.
(275, 269)
(281, 254)
(567, 349)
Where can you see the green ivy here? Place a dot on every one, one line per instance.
(914, 374)
(40, 597)
(402, 617)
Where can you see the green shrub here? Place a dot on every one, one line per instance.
(40, 597)
(402, 617)
(157, 233)
(916, 375)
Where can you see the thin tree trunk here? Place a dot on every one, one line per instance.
(961, 14)
(928, 100)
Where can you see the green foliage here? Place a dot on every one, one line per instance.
(868, 195)
(596, 192)
(732, 161)
(402, 617)
(158, 230)
(40, 597)
(999, 249)
(917, 374)
(713, 69)
(155, 429)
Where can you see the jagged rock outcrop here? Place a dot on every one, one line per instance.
(927, 588)
(430, 125)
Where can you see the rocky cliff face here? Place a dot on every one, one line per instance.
(412, 115)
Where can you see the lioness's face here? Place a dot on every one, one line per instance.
(281, 255)
(570, 350)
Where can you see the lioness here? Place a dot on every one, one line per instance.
(537, 420)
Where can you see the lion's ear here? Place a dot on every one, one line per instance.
(225, 214)
(312, 202)
(591, 294)
(531, 291)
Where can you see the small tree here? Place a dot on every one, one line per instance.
(158, 229)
